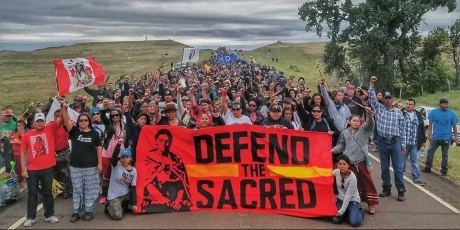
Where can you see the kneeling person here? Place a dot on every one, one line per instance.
(122, 188)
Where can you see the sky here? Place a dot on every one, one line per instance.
(246, 24)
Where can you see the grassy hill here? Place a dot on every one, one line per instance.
(30, 76)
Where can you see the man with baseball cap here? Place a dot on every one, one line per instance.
(7, 124)
(39, 146)
(392, 142)
(442, 121)
(236, 115)
(274, 119)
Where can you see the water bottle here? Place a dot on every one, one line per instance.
(421, 152)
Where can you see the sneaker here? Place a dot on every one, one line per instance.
(385, 193)
(103, 200)
(52, 219)
(425, 170)
(401, 196)
(421, 183)
(28, 223)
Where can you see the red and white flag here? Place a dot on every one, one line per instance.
(73, 115)
(77, 73)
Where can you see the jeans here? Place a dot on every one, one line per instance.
(445, 154)
(412, 151)
(375, 136)
(391, 150)
(354, 211)
(44, 178)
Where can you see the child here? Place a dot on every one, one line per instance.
(348, 201)
(353, 143)
(122, 188)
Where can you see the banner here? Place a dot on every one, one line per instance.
(226, 58)
(239, 168)
(190, 55)
(75, 74)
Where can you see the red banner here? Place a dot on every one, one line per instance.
(241, 168)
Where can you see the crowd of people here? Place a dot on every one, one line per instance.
(103, 139)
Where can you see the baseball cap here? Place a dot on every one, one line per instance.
(275, 108)
(168, 92)
(39, 116)
(126, 152)
(443, 100)
(95, 110)
(387, 94)
(8, 112)
(287, 100)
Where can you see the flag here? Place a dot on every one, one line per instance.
(190, 55)
(55, 106)
(77, 73)
(207, 67)
(227, 58)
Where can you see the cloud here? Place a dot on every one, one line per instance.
(210, 23)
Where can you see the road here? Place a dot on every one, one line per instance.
(433, 206)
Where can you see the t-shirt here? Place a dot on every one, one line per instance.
(16, 146)
(231, 120)
(84, 153)
(443, 120)
(120, 180)
(61, 140)
(7, 128)
(39, 145)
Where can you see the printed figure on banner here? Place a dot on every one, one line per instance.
(82, 76)
(167, 187)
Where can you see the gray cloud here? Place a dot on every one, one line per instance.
(208, 23)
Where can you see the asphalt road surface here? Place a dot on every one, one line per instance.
(434, 206)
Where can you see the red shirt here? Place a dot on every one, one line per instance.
(16, 146)
(40, 147)
(61, 139)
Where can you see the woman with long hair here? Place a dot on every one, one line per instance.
(287, 114)
(115, 129)
(85, 163)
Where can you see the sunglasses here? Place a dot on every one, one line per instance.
(236, 109)
(252, 105)
(343, 180)
(83, 120)
(316, 111)
(101, 86)
(94, 114)
(114, 115)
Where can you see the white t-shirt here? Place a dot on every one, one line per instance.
(230, 119)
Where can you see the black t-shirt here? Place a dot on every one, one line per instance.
(84, 153)
(320, 127)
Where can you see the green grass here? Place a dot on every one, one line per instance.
(454, 153)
